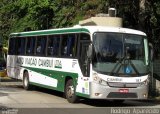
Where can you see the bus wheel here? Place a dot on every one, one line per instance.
(26, 85)
(70, 92)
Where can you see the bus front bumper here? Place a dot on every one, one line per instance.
(105, 92)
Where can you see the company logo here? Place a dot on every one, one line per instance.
(58, 64)
(128, 70)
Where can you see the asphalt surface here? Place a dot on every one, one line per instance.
(15, 100)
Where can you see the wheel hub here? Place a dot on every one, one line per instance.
(70, 91)
(25, 81)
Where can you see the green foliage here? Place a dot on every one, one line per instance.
(26, 15)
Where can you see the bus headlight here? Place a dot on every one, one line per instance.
(145, 82)
(99, 80)
(95, 77)
(102, 82)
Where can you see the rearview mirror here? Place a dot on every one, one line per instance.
(89, 52)
(151, 52)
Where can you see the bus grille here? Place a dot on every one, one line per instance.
(121, 95)
(127, 85)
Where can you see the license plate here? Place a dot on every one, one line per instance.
(123, 90)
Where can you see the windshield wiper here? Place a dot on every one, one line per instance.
(125, 58)
(119, 62)
(135, 69)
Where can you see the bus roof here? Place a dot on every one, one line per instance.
(49, 32)
(78, 29)
(93, 29)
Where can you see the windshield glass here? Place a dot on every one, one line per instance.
(117, 53)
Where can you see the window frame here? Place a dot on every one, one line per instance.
(41, 38)
(33, 48)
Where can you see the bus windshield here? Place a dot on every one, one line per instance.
(120, 54)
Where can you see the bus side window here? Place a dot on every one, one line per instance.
(53, 45)
(12, 46)
(30, 45)
(83, 48)
(28, 50)
(41, 45)
(64, 45)
(71, 45)
(68, 45)
(21, 46)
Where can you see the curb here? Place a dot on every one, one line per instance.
(4, 77)
(8, 79)
(10, 84)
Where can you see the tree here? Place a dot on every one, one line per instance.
(26, 15)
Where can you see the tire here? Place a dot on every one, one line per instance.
(26, 84)
(70, 92)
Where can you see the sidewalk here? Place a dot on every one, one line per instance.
(6, 81)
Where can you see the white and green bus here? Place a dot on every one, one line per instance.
(92, 62)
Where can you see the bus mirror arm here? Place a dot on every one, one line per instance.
(151, 52)
(152, 55)
(89, 52)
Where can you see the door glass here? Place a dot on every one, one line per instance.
(83, 58)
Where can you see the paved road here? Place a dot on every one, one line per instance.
(12, 95)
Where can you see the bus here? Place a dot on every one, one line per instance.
(94, 62)
(3, 57)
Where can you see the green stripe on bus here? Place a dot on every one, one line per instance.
(58, 67)
(44, 86)
(53, 88)
(49, 32)
(59, 75)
